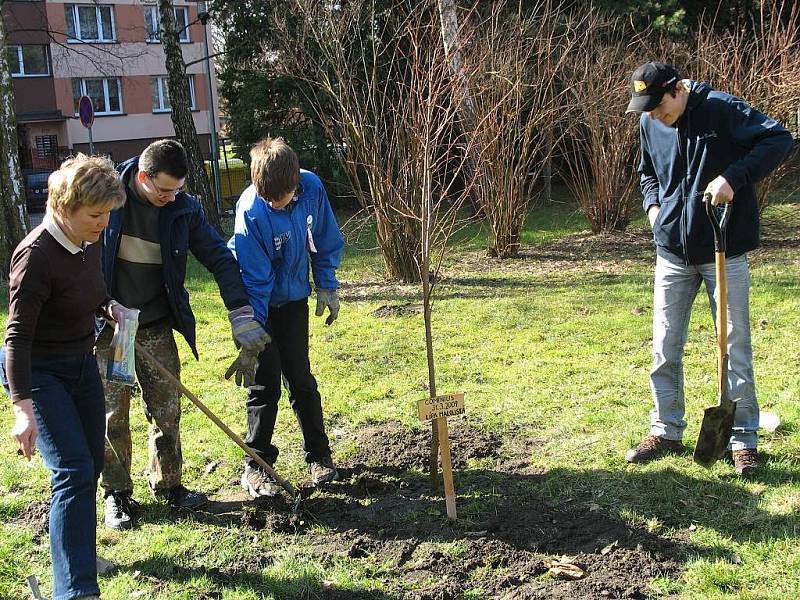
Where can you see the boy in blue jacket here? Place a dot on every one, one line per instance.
(695, 140)
(284, 221)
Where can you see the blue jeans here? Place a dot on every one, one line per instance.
(676, 286)
(70, 413)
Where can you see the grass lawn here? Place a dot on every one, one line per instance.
(552, 350)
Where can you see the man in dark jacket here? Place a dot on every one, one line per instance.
(696, 141)
(145, 247)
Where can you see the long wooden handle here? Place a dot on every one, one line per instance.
(722, 316)
(290, 489)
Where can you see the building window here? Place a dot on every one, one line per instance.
(106, 94)
(90, 23)
(28, 61)
(46, 145)
(159, 87)
(152, 23)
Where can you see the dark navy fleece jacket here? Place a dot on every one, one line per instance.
(718, 134)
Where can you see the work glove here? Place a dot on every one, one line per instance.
(244, 368)
(329, 299)
(248, 333)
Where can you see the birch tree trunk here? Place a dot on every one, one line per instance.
(451, 40)
(452, 49)
(197, 180)
(14, 222)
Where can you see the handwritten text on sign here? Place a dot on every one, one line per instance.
(448, 405)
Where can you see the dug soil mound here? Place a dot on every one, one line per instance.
(506, 544)
(403, 448)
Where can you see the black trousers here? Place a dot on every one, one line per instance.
(286, 355)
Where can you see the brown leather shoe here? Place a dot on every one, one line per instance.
(746, 461)
(653, 447)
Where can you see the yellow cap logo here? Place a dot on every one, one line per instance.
(639, 86)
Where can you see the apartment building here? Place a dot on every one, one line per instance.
(60, 50)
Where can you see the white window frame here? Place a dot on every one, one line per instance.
(154, 37)
(106, 95)
(21, 61)
(161, 83)
(98, 20)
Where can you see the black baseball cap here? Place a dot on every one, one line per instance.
(649, 83)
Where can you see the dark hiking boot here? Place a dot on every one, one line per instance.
(323, 471)
(258, 482)
(180, 497)
(746, 462)
(120, 510)
(651, 448)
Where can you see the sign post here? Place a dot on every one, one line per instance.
(441, 407)
(86, 115)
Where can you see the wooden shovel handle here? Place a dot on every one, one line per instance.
(290, 489)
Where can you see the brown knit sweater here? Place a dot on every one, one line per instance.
(54, 295)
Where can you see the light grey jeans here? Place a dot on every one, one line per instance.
(676, 286)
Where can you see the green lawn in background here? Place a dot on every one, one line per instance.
(553, 347)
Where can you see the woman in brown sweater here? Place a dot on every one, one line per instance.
(56, 289)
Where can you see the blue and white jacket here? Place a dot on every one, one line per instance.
(274, 247)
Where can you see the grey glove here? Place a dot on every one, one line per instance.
(329, 299)
(247, 332)
(244, 367)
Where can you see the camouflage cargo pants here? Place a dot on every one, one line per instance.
(161, 408)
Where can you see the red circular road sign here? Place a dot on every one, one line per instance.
(86, 111)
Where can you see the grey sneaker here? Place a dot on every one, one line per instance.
(120, 510)
(653, 447)
(258, 483)
(323, 471)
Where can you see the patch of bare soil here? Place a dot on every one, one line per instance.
(35, 516)
(402, 448)
(398, 310)
(583, 252)
(504, 543)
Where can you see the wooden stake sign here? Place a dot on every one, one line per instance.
(439, 408)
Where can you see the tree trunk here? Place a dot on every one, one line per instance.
(14, 222)
(197, 181)
(452, 49)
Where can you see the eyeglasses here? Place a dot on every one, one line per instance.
(165, 191)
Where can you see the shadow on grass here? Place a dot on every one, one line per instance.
(591, 286)
(562, 511)
(159, 569)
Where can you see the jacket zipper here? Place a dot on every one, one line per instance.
(684, 205)
(295, 266)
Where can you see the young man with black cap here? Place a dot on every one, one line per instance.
(697, 141)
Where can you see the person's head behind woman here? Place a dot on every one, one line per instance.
(82, 193)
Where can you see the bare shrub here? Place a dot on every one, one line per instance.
(600, 146)
(517, 105)
(378, 77)
(758, 62)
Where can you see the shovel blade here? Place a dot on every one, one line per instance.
(715, 432)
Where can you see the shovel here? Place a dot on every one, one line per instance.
(715, 432)
(294, 494)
